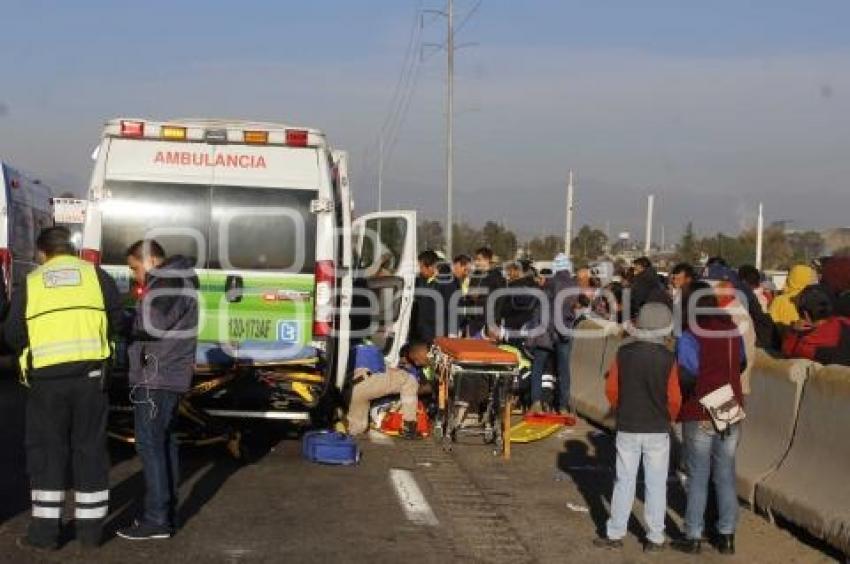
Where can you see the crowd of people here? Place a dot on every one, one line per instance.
(690, 338)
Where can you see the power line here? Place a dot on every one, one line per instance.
(399, 100)
(468, 15)
(415, 32)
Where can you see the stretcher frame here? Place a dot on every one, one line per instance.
(203, 426)
(500, 375)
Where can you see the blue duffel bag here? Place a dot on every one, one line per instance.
(330, 447)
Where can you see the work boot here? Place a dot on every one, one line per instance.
(42, 534)
(27, 543)
(409, 431)
(688, 545)
(650, 546)
(726, 544)
(610, 544)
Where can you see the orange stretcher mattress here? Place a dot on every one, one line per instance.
(474, 351)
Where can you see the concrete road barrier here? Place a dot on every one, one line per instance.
(593, 352)
(777, 385)
(810, 488)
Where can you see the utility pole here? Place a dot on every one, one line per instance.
(568, 231)
(759, 236)
(650, 202)
(380, 172)
(450, 44)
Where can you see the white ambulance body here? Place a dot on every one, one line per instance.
(264, 210)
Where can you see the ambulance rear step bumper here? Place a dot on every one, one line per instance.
(239, 413)
(280, 415)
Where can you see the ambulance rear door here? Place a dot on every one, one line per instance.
(385, 251)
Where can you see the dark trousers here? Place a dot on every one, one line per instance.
(66, 421)
(538, 366)
(155, 417)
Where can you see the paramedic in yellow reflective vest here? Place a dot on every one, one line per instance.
(60, 321)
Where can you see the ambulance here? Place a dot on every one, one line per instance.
(25, 209)
(264, 211)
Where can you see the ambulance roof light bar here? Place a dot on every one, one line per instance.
(215, 135)
(132, 128)
(297, 137)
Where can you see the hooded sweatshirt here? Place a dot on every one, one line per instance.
(165, 328)
(783, 310)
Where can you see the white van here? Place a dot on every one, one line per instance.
(264, 210)
(25, 209)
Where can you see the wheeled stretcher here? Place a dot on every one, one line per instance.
(455, 360)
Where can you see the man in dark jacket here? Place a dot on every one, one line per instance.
(485, 280)
(162, 354)
(516, 309)
(646, 287)
(433, 292)
(555, 337)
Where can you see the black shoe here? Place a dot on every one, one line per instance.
(726, 544)
(688, 546)
(409, 432)
(144, 531)
(650, 546)
(605, 542)
(27, 543)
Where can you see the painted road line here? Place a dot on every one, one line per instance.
(379, 438)
(410, 497)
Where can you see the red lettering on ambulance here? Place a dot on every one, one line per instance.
(186, 158)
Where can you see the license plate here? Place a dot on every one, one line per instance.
(246, 328)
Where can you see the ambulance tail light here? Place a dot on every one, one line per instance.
(323, 312)
(90, 255)
(296, 137)
(132, 129)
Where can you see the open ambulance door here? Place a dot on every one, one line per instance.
(385, 263)
(345, 265)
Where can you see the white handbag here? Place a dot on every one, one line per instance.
(722, 405)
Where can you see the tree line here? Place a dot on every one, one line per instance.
(781, 249)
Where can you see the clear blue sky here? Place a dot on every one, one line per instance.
(711, 105)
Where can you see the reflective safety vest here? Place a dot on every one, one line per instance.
(65, 314)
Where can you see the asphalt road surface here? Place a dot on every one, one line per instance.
(405, 502)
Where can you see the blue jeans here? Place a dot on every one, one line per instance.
(654, 448)
(538, 367)
(155, 414)
(710, 454)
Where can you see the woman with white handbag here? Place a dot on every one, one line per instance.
(711, 358)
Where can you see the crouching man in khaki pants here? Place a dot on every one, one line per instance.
(407, 380)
